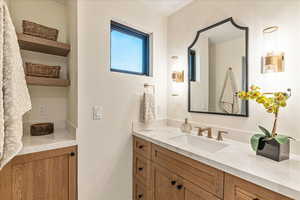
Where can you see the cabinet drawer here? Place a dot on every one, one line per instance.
(194, 192)
(208, 178)
(142, 147)
(244, 195)
(239, 189)
(139, 191)
(141, 169)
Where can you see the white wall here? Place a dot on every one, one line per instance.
(50, 13)
(72, 114)
(257, 15)
(105, 146)
(199, 88)
(59, 104)
(7, 2)
(226, 54)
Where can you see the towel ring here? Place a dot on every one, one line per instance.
(146, 85)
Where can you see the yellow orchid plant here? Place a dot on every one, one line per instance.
(272, 102)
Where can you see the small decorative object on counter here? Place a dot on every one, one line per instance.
(186, 127)
(41, 70)
(269, 144)
(41, 129)
(37, 30)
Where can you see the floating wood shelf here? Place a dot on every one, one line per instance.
(41, 45)
(55, 82)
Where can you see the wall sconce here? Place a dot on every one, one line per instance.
(178, 77)
(273, 61)
(177, 74)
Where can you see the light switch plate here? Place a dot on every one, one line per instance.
(42, 111)
(97, 113)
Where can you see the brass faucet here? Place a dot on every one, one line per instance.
(220, 137)
(201, 130)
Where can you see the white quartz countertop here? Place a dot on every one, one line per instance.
(237, 159)
(60, 139)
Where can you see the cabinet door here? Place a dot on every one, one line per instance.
(239, 189)
(5, 182)
(166, 185)
(194, 192)
(49, 175)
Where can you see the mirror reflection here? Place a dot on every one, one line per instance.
(218, 69)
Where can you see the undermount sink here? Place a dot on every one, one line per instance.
(202, 144)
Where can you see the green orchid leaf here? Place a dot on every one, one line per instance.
(281, 139)
(255, 141)
(265, 131)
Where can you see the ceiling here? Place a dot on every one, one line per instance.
(223, 33)
(166, 7)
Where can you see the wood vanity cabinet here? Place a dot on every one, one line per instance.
(48, 175)
(161, 174)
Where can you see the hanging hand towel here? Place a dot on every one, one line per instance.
(14, 96)
(148, 108)
(228, 99)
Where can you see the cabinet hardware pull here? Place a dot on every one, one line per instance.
(140, 196)
(141, 168)
(72, 154)
(141, 146)
(179, 187)
(173, 182)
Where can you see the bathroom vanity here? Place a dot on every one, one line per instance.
(164, 169)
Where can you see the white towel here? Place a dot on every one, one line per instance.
(148, 108)
(14, 96)
(228, 99)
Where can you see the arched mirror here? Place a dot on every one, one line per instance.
(218, 69)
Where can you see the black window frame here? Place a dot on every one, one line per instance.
(146, 50)
(192, 59)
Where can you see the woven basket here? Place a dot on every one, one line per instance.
(34, 29)
(41, 129)
(40, 70)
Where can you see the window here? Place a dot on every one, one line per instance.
(129, 51)
(192, 58)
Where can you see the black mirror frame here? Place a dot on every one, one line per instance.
(246, 29)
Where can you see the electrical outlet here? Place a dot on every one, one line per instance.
(97, 113)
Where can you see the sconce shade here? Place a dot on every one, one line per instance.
(273, 59)
(178, 76)
(274, 63)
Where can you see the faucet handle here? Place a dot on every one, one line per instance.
(220, 137)
(200, 132)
